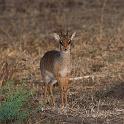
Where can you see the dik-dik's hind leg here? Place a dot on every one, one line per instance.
(51, 95)
(45, 91)
(48, 91)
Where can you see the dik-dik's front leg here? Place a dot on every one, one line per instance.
(63, 82)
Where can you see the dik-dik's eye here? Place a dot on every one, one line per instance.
(61, 43)
(69, 41)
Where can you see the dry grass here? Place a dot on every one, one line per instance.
(25, 35)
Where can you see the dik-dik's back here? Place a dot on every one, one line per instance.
(50, 64)
(55, 65)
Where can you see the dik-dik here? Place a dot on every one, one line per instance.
(55, 67)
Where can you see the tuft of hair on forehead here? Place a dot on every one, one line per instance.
(64, 34)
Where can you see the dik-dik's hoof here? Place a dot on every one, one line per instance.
(53, 108)
(63, 110)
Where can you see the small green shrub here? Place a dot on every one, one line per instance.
(14, 106)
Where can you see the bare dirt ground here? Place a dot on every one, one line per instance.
(26, 29)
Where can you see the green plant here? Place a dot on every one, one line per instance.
(13, 108)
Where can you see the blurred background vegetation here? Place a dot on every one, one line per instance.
(26, 28)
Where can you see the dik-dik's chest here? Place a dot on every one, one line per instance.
(65, 71)
(63, 65)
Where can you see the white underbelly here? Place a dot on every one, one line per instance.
(50, 78)
(64, 72)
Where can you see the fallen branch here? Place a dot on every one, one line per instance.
(78, 78)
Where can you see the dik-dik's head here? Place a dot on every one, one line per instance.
(64, 40)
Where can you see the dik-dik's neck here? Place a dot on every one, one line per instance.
(66, 56)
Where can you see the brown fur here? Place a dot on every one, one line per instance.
(55, 65)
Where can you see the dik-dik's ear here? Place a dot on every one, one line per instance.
(73, 35)
(56, 36)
